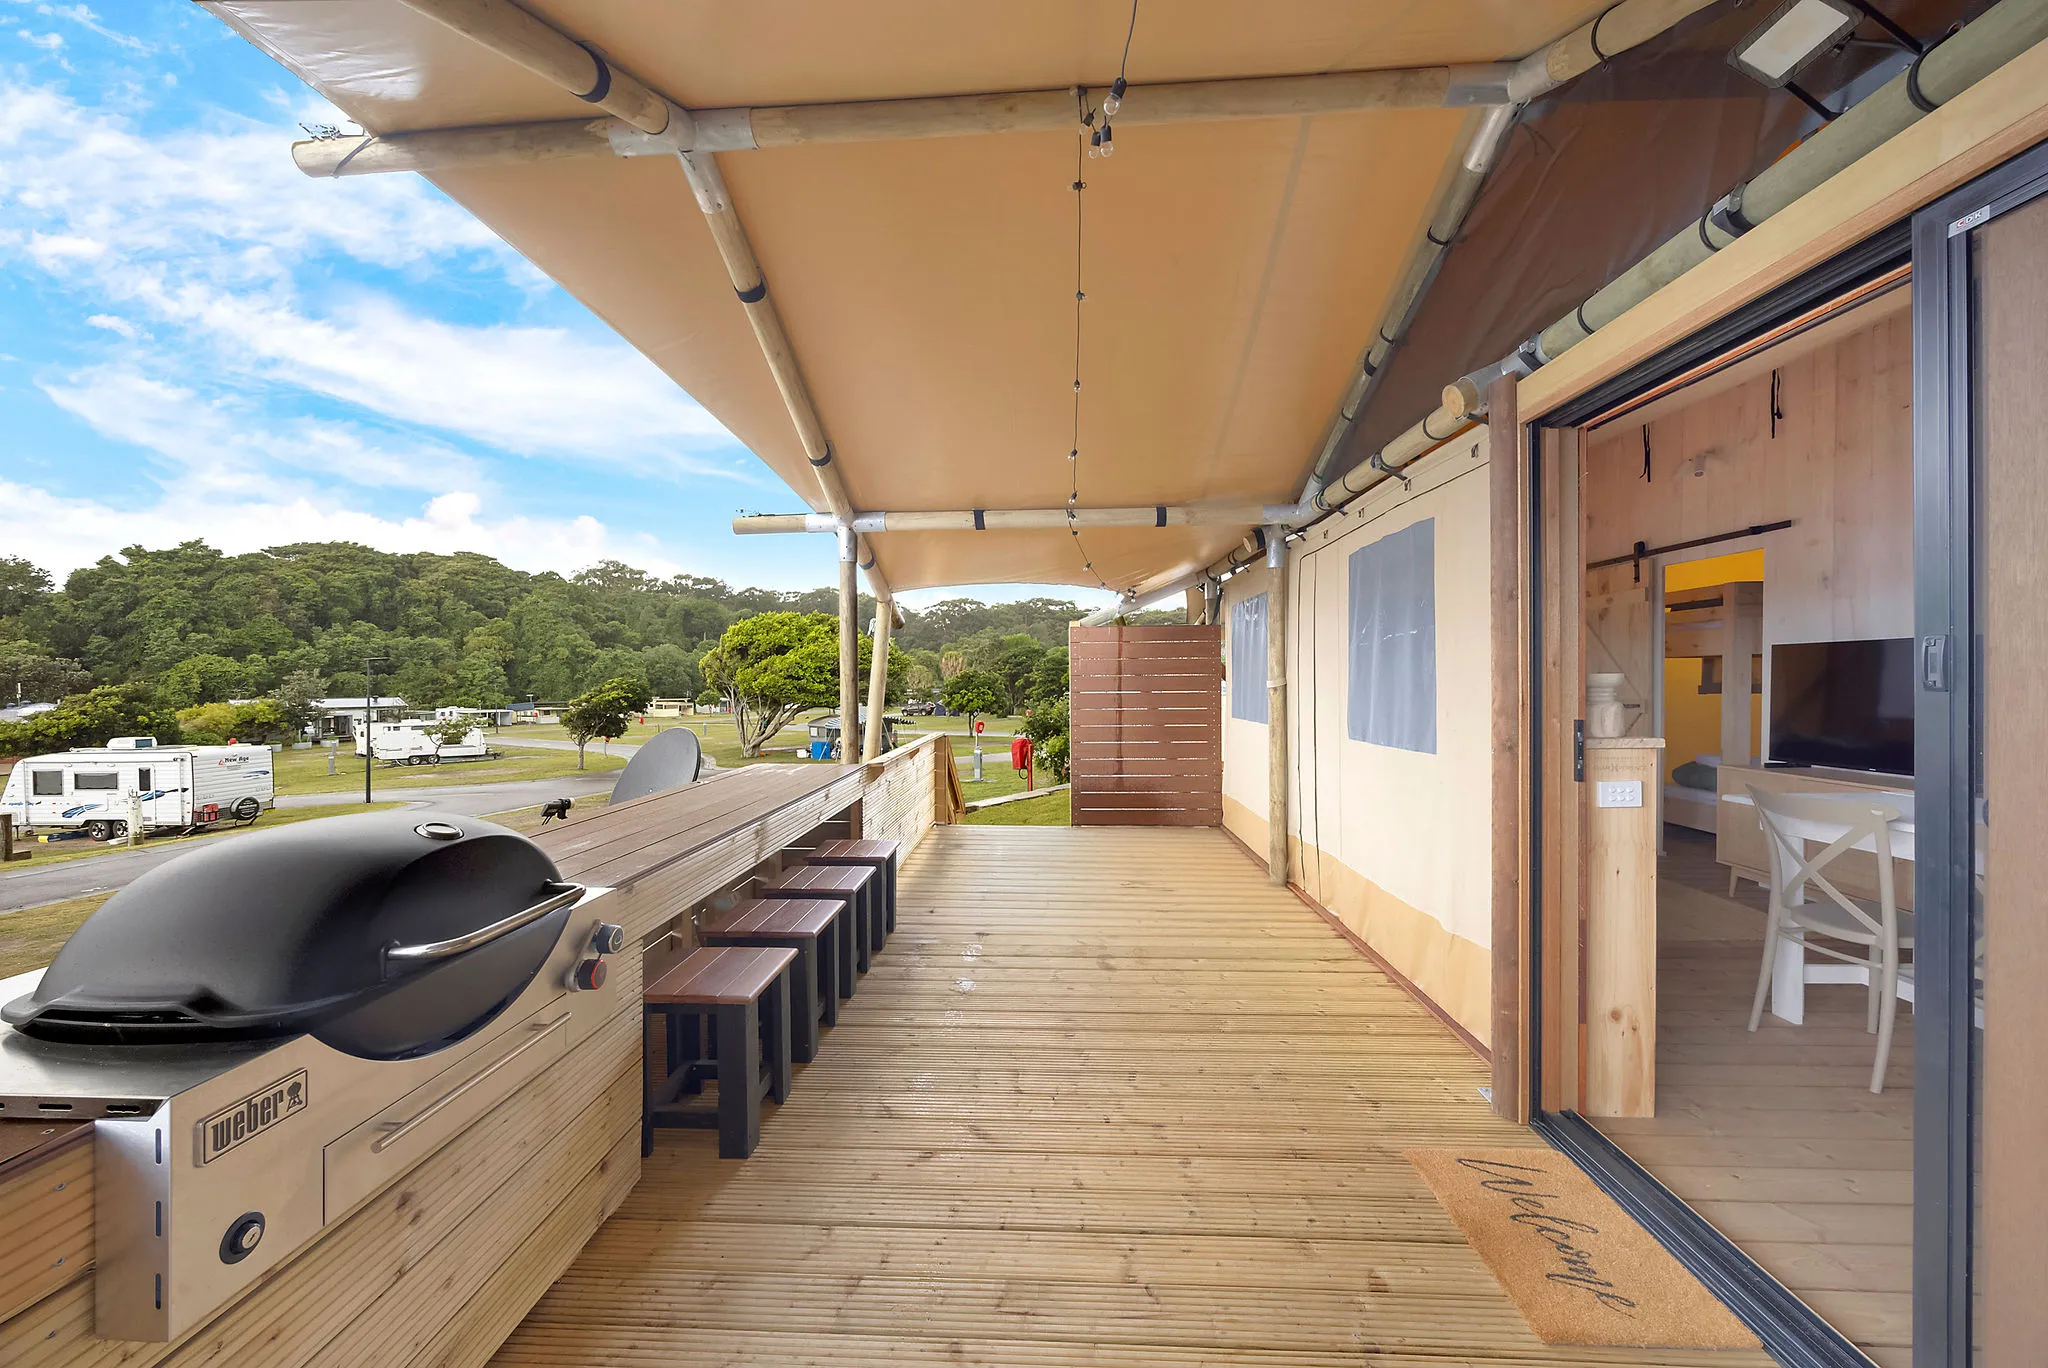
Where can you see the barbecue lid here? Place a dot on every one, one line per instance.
(383, 934)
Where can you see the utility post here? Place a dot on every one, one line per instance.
(370, 664)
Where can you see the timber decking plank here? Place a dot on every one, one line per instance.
(1065, 1124)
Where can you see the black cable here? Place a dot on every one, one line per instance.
(1123, 67)
(1080, 296)
(1826, 115)
(1884, 21)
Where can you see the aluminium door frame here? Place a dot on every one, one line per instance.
(1946, 621)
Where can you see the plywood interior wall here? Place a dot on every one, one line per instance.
(1394, 842)
(1838, 461)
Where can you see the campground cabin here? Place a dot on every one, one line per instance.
(1600, 452)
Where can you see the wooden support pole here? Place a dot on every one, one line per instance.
(878, 681)
(520, 36)
(1218, 514)
(849, 645)
(569, 66)
(546, 51)
(1276, 708)
(1507, 498)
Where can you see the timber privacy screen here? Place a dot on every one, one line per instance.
(1147, 725)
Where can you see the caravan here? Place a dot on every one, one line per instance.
(412, 742)
(178, 786)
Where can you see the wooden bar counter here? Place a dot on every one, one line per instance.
(440, 1266)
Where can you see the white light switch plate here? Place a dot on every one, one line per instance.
(1618, 793)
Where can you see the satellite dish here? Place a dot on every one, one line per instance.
(670, 760)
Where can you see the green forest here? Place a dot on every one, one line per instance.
(190, 626)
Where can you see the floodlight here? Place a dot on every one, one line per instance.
(1796, 32)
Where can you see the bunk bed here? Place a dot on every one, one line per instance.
(1720, 625)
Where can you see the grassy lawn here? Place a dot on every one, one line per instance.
(717, 734)
(305, 771)
(998, 779)
(63, 852)
(1004, 727)
(1054, 809)
(29, 938)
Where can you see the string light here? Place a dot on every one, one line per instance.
(1100, 142)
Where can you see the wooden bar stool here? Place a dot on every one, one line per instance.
(880, 856)
(853, 885)
(809, 926)
(741, 994)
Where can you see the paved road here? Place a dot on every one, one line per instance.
(472, 799)
(29, 887)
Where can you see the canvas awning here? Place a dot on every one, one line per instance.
(1233, 269)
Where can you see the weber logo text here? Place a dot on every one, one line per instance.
(253, 1115)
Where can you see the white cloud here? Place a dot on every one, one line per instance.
(219, 444)
(114, 324)
(48, 42)
(85, 18)
(61, 534)
(203, 236)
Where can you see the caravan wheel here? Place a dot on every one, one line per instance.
(99, 831)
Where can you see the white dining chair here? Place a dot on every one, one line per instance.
(1881, 930)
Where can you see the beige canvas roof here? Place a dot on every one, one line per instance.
(1234, 270)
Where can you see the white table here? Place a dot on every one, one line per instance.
(1792, 972)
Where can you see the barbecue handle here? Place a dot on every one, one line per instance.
(398, 1130)
(564, 894)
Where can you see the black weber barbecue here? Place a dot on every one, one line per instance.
(269, 1031)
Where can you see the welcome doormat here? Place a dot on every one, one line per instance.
(1578, 1267)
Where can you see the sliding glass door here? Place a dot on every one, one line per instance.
(1981, 736)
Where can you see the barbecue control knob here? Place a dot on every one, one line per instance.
(242, 1237)
(589, 974)
(607, 938)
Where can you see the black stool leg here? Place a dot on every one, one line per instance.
(647, 1092)
(878, 919)
(828, 973)
(863, 932)
(852, 960)
(739, 1068)
(889, 889)
(775, 1042)
(803, 1004)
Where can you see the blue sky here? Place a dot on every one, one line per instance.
(198, 341)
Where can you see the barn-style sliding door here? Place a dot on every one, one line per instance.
(1147, 725)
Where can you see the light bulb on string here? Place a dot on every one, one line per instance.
(1114, 101)
(1095, 143)
(1108, 147)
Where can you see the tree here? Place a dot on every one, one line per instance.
(974, 692)
(29, 675)
(604, 712)
(90, 719)
(206, 678)
(479, 682)
(453, 731)
(1047, 682)
(297, 697)
(772, 666)
(216, 724)
(1051, 740)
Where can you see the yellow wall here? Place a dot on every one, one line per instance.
(1692, 720)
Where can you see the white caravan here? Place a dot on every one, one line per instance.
(180, 786)
(407, 743)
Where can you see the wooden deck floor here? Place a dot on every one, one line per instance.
(1107, 1099)
(1776, 1137)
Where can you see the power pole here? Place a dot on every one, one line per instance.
(370, 664)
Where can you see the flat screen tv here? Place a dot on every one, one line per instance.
(1843, 704)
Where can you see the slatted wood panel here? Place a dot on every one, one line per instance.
(1108, 1100)
(1147, 725)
